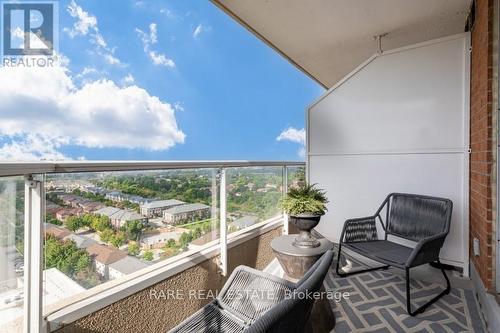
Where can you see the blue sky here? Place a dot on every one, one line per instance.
(226, 94)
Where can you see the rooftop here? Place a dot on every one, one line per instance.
(56, 231)
(162, 203)
(105, 254)
(128, 265)
(186, 208)
(81, 242)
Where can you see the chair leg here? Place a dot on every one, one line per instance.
(356, 272)
(432, 301)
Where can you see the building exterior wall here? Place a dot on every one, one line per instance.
(186, 217)
(101, 269)
(143, 312)
(483, 133)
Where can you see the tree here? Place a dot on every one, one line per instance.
(52, 220)
(106, 235)
(118, 239)
(197, 233)
(133, 249)
(87, 220)
(73, 223)
(65, 256)
(148, 255)
(185, 239)
(100, 223)
(171, 243)
(133, 229)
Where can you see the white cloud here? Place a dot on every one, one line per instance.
(296, 136)
(87, 71)
(178, 106)
(293, 135)
(86, 24)
(153, 33)
(149, 39)
(85, 21)
(129, 79)
(197, 30)
(160, 59)
(167, 12)
(201, 28)
(111, 59)
(32, 147)
(45, 108)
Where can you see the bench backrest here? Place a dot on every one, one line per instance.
(414, 217)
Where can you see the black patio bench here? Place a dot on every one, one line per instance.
(418, 218)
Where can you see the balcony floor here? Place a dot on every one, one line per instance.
(377, 301)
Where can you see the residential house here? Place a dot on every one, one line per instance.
(158, 238)
(125, 266)
(245, 221)
(115, 196)
(102, 256)
(118, 196)
(56, 231)
(82, 242)
(51, 208)
(118, 217)
(63, 213)
(91, 206)
(156, 208)
(206, 238)
(186, 213)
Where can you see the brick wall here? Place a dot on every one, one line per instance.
(482, 141)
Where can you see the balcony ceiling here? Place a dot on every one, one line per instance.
(327, 39)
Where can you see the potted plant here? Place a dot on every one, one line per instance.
(305, 205)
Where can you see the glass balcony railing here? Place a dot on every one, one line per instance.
(96, 224)
(11, 254)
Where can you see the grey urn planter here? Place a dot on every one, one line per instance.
(305, 223)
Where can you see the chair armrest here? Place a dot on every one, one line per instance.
(362, 229)
(426, 251)
(248, 293)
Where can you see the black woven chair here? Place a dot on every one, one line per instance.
(277, 306)
(422, 219)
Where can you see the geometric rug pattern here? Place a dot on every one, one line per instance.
(377, 304)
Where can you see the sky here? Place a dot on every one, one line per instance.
(154, 80)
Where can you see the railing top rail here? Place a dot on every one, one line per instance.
(24, 168)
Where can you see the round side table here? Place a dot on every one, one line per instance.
(295, 261)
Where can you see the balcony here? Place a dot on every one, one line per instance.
(155, 279)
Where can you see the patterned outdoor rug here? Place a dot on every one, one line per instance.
(377, 303)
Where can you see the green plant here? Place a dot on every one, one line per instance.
(133, 249)
(148, 255)
(305, 199)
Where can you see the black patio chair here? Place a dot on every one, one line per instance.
(422, 219)
(277, 305)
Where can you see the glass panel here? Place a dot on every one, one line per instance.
(296, 176)
(11, 254)
(103, 226)
(253, 195)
